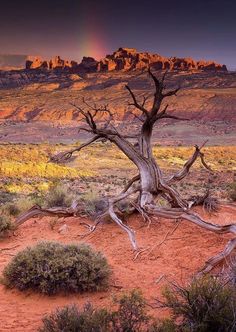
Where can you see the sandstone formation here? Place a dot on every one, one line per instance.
(129, 58)
(125, 59)
(88, 65)
(55, 63)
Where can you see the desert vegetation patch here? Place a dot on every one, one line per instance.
(51, 267)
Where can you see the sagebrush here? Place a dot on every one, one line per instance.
(130, 316)
(71, 319)
(51, 267)
(59, 195)
(205, 305)
(6, 225)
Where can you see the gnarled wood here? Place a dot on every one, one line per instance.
(38, 211)
(152, 185)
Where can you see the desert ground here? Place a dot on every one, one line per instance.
(173, 254)
(174, 250)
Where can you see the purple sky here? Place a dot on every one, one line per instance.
(72, 29)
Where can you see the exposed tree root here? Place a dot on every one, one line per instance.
(91, 228)
(144, 215)
(37, 211)
(168, 213)
(117, 220)
(196, 219)
(209, 203)
(214, 261)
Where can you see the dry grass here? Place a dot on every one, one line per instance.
(24, 168)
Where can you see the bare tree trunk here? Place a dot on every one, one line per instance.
(151, 182)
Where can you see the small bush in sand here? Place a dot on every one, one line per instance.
(130, 316)
(6, 225)
(165, 325)
(51, 267)
(92, 204)
(232, 191)
(18, 206)
(59, 195)
(71, 319)
(230, 272)
(206, 305)
(12, 209)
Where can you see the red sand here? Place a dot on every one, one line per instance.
(178, 258)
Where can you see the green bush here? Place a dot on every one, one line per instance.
(5, 225)
(232, 191)
(70, 319)
(230, 273)
(59, 195)
(206, 305)
(92, 205)
(18, 206)
(165, 325)
(6, 197)
(12, 209)
(130, 316)
(51, 267)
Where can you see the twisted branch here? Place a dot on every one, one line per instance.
(185, 170)
(65, 156)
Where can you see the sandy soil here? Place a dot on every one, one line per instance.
(177, 258)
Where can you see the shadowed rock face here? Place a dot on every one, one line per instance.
(125, 59)
(46, 95)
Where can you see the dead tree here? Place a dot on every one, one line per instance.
(149, 185)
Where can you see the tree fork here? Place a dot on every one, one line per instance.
(149, 184)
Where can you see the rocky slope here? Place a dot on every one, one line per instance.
(43, 97)
(46, 96)
(124, 59)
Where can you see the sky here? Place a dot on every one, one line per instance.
(73, 28)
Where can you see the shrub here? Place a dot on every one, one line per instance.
(12, 209)
(50, 267)
(232, 191)
(230, 272)
(6, 197)
(59, 195)
(18, 206)
(25, 203)
(206, 305)
(92, 204)
(131, 314)
(70, 319)
(5, 225)
(165, 325)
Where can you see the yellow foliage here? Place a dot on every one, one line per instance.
(19, 188)
(44, 186)
(16, 169)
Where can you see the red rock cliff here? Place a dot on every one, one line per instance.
(125, 59)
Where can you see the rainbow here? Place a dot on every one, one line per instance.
(92, 40)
